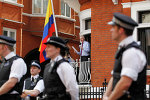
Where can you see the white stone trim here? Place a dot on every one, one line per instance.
(83, 15)
(12, 3)
(78, 27)
(126, 5)
(115, 2)
(34, 15)
(65, 17)
(67, 34)
(85, 32)
(13, 21)
(56, 16)
(135, 8)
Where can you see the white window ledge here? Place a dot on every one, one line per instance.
(13, 21)
(67, 34)
(34, 15)
(12, 3)
(78, 27)
(84, 32)
(43, 15)
(64, 17)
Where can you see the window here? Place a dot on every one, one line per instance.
(65, 9)
(144, 17)
(87, 24)
(39, 6)
(144, 33)
(11, 0)
(10, 33)
(144, 38)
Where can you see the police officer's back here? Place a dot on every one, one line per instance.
(12, 70)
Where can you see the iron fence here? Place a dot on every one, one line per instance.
(87, 92)
(90, 93)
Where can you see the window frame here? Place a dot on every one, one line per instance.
(11, 1)
(11, 30)
(42, 8)
(65, 10)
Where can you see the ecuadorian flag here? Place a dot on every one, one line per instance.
(49, 28)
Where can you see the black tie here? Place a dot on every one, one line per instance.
(3, 62)
(32, 79)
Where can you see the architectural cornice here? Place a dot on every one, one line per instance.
(12, 3)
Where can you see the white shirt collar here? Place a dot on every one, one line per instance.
(59, 57)
(35, 77)
(10, 55)
(126, 41)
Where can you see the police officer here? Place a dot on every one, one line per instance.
(128, 79)
(12, 70)
(34, 85)
(59, 77)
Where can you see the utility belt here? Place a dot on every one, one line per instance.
(64, 96)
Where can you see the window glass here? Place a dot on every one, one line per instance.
(144, 17)
(62, 8)
(5, 33)
(45, 4)
(67, 11)
(37, 6)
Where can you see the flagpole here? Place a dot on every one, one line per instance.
(54, 19)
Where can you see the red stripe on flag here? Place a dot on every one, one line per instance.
(43, 46)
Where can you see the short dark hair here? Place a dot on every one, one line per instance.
(10, 48)
(128, 32)
(62, 50)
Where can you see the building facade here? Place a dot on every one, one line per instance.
(24, 20)
(103, 49)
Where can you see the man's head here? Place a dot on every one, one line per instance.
(122, 26)
(6, 45)
(55, 46)
(82, 38)
(35, 67)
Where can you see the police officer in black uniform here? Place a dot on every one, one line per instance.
(12, 70)
(59, 77)
(33, 85)
(128, 79)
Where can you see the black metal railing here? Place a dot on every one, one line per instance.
(96, 93)
(90, 93)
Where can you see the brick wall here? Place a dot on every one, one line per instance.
(34, 26)
(102, 47)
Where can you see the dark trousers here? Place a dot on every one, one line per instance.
(84, 58)
(10, 97)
